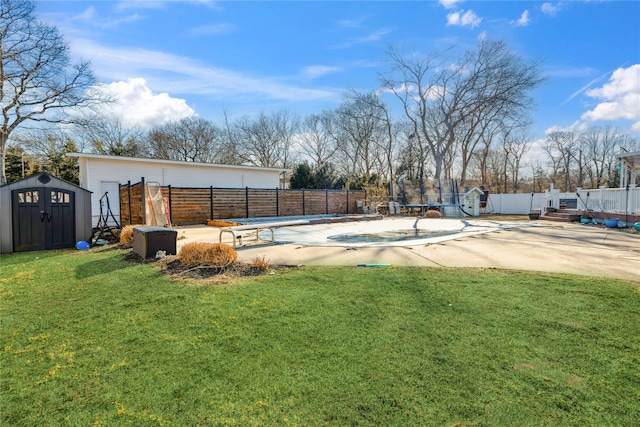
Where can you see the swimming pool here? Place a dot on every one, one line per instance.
(387, 232)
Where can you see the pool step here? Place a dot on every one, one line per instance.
(562, 215)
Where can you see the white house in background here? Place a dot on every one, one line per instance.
(100, 174)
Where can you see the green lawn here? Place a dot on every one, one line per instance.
(91, 339)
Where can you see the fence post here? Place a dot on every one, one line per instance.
(170, 206)
(129, 199)
(211, 202)
(144, 202)
(347, 201)
(326, 201)
(277, 201)
(303, 207)
(246, 199)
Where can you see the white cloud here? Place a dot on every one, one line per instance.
(464, 19)
(178, 74)
(88, 13)
(431, 92)
(523, 21)
(549, 9)
(213, 29)
(369, 38)
(351, 23)
(373, 37)
(139, 4)
(315, 71)
(138, 105)
(449, 4)
(573, 73)
(576, 126)
(161, 4)
(620, 97)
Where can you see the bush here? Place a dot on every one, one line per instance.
(432, 213)
(260, 263)
(216, 255)
(126, 235)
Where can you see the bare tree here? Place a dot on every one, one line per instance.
(268, 140)
(384, 137)
(38, 82)
(479, 153)
(539, 177)
(561, 147)
(408, 154)
(229, 143)
(446, 99)
(600, 144)
(478, 136)
(316, 139)
(357, 124)
(515, 147)
(111, 135)
(496, 169)
(187, 140)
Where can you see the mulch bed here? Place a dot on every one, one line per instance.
(172, 267)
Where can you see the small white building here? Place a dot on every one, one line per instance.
(629, 169)
(100, 174)
(471, 199)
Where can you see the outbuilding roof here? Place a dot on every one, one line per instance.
(171, 162)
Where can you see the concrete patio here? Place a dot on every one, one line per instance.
(535, 246)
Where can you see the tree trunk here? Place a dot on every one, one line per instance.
(3, 155)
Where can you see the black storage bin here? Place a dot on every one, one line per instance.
(148, 240)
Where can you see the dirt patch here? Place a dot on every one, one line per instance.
(520, 366)
(172, 266)
(111, 247)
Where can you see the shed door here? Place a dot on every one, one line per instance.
(43, 218)
(60, 224)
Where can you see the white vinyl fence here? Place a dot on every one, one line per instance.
(618, 200)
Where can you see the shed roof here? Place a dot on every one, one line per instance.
(43, 178)
(475, 190)
(171, 162)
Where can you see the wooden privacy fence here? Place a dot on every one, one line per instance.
(190, 206)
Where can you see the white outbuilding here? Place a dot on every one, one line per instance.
(102, 174)
(629, 169)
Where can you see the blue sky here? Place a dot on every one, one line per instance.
(172, 59)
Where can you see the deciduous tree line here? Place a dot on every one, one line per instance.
(436, 117)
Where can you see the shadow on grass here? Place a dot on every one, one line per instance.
(115, 262)
(34, 256)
